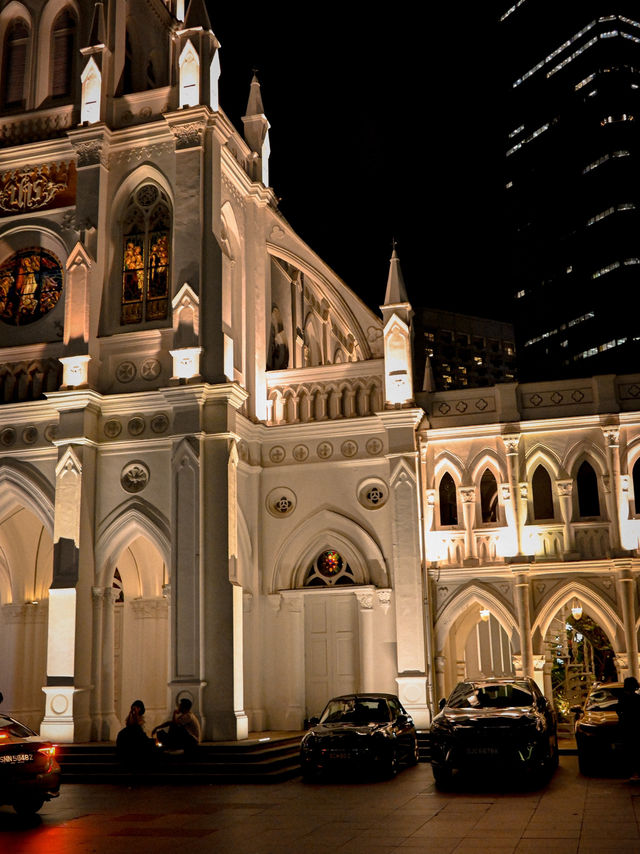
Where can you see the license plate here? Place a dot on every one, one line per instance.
(482, 751)
(339, 754)
(15, 758)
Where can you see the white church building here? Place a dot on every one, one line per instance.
(216, 478)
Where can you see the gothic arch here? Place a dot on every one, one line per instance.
(471, 596)
(45, 33)
(23, 484)
(584, 450)
(595, 605)
(132, 519)
(446, 461)
(327, 529)
(540, 455)
(487, 459)
(11, 12)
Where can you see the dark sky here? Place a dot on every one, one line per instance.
(382, 127)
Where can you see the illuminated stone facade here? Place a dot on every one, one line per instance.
(216, 479)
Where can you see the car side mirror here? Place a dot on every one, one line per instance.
(314, 721)
(576, 710)
(442, 703)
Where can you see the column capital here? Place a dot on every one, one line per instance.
(511, 442)
(611, 433)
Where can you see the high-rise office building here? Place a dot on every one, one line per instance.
(572, 183)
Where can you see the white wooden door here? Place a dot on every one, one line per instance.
(331, 648)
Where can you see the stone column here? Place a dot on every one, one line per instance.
(565, 492)
(521, 583)
(440, 663)
(294, 611)
(95, 705)
(627, 593)
(612, 438)
(367, 653)
(511, 446)
(109, 721)
(468, 498)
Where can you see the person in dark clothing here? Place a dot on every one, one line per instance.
(629, 714)
(183, 733)
(132, 742)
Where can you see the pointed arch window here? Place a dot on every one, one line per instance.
(146, 242)
(448, 500)
(489, 497)
(587, 483)
(14, 71)
(62, 54)
(542, 494)
(635, 475)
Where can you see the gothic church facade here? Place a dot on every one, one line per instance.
(216, 478)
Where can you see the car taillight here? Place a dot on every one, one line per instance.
(48, 751)
(4, 735)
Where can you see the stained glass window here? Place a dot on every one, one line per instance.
(329, 569)
(145, 256)
(30, 286)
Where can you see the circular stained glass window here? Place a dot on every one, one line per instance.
(329, 563)
(30, 286)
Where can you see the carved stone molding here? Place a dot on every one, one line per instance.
(384, 600)
(188, 135)
(365, 599)
(90, 152)
(467, 494)
(275, 602)
(612, 435)
(511, 443)
(149, 608)
(565, 487)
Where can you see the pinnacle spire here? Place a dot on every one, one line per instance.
(254, 104)
(197, 16)
(98, 30)
(396, 290)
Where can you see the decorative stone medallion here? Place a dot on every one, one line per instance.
(300, 453)
(29, 435)
(125, 372)
(324, 450)
(349, 448)
(150, 369)
(134, 477)
(374, 446)
(136, 425)
(281, 501)
(159, 423)
(7, 437)
(51, 432)
(373, 493)
(277, 454)
(112, 428)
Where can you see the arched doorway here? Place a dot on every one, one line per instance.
(26, 569)
(579, 653)
(141, 631)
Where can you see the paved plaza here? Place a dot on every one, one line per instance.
(571, 815)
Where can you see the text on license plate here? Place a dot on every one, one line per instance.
(15, 758)
(482, 751)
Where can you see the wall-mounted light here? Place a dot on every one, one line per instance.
(484, 614)
(576, 610)
(186, 362)
(75, 370)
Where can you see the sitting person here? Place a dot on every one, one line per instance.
(132, 742)
(183, 733)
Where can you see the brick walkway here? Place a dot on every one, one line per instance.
(571, 815)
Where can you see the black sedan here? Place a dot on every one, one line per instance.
(360, 732)
(29, 773)
(494, 724)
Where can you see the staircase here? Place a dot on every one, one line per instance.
(249, 761)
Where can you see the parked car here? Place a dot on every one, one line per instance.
(597, 729)
(360, 732)
(494, 724)
(29, 773)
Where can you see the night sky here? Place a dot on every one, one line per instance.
(382, 127)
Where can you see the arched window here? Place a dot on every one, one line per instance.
(329, 569)
(146, 242)
(14, 70)
(489, 497)
(62, 54)
(587, 482)
(448, 501)
(542, 494)
(278, 355)
(636, 485)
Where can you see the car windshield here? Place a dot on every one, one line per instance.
(491, 696)
(603, 699)
(356, 710)
(10, 727)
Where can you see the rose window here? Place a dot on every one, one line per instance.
(329, 569)
(30, 286)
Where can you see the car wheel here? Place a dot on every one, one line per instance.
(28, 807)
(392, 763)
(442, 776)
(414, 753)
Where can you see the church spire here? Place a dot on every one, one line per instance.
(396, 290)
(398, 333)
(197, 16)
(256, 132)
(97, 33)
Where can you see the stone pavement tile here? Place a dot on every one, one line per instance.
(490, 842)
(551, 846)
(611, 830)
(437, 830)
(156, 832)
(551, 833)
(437, 846)
(609, 847)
